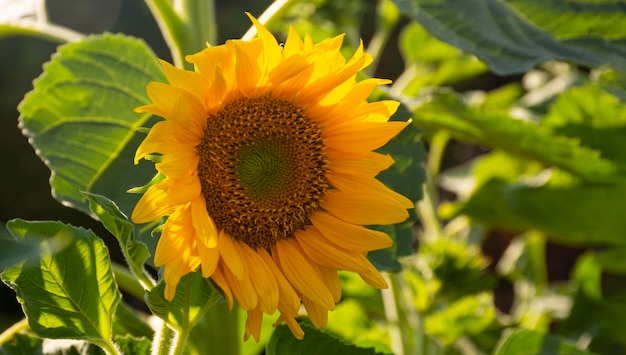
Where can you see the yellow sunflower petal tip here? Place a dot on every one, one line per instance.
(269, 143)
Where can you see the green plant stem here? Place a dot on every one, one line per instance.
(273, 13)
(407, 328)
(109, 347)
(427, 207)
(200, 18)
(127, 281)
(176, 32)
(42, 30)
(181, 340)
(164, 338)
(387, 17)
(9, 333)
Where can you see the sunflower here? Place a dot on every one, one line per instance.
(267, 153)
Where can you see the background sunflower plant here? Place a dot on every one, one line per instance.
(379, 177)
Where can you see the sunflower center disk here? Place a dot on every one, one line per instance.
(262, 169)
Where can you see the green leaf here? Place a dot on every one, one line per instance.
(593, 116)
(469, 315)
(28, 344)
(406, 176)
(12, 251)
(131, 345)
(524, 341)
(511, 36)
(194, 294)
(22, 344)
(432, 62)
(117, 223)
(519, 138)
(550, 208)
(80, 119)
(314, 342)
(68, 291)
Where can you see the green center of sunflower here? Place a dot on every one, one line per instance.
(262, 169)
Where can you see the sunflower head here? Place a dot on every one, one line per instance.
(269, 164)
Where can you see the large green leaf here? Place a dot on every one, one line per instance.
(519, 138)
(80, 119)
(514, 36)
(68, 291)
(314, 342)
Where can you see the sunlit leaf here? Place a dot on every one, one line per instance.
(595, 117)
(80, 119)
(570, 213)
(519, 138)
(314, 342)
(130, 345)
(526, 341)
(469, 315)
(118, 224)
(512, 36)
(69, 290)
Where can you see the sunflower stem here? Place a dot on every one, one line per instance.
(9, 333)
(164, 339)
(200, 18)
(273, 13)
(387, 17)
(41, 30)
(427, 207)
(175, 31)
(128, 282)
(407, 333)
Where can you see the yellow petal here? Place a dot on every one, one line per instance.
(232, 255)
(242, 289)
(190, 81)
(369, 166)
(293, 43)
(293, 325)
(209, 259)
(247, 71)
(178, 161)
(347, 235)
(374, 278)
(150, 206)
(206, 231)
(271, 49)
(220, 280)
(323, 252)
(331, 279)
(301, 273)
(183, 191)
(253, 324)
(364, 136)
(262, 279)
(288, 301)
(160, 136)
(345, 182)
(365, 209)
(317, 313)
